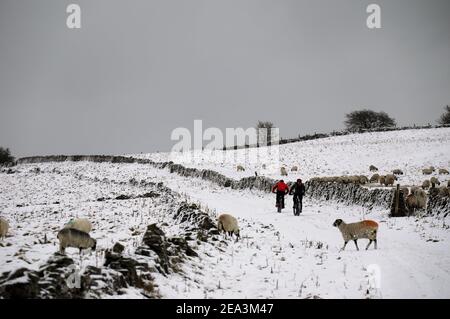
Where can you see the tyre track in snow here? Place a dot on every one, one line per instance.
(405, 259)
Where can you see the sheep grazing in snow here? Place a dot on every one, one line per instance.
(382, 179)
(443, 171)
(69, 237)
(363, 179)
(373, 168)
(294, 169)
(375, 178)
(434, 181)
(81, 224)
(405, 191)
(397, 172)
(283, 171)
(364, 229)
(389, 180)
(427, 171)
(426, 184)
(416, 200)
(240, 168)
(264, 166)
(4, 226)
(228, 224)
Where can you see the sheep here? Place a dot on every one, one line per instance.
(294, 169)
(229, 225)
(82, 224)
(397, 172)
(427, 171)
(375, 178)
(263, 166)
(382, 179)
(373, 168)
(70, 237)
(4, 226)
(283, 171)
(363, 179)
(426, 184)
(405, 191)
(421, 197)
(434, 181)
(240, 168)
(444, 191)
(443, 171)
(389, 180)
(411, 203)
(363, 229)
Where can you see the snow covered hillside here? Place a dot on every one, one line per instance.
(408, 150)
(279, 256)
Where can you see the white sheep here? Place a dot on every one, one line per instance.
(427, 171)
(228, 224)
(240, 168)
(354, 231)
(4, 226)
(426, 184)
(82, 224)
(397, 172)
(434, 181)
(294, 169)
(443, 171)
(283, 171)
(389, 179)
(70, 237)
(375, 178)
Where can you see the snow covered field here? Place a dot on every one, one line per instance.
(408, 150)
(279, 256)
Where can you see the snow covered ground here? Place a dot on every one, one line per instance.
(408, 150)
(280, 255)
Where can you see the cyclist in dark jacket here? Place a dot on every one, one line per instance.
(281, 189)
(298, 190)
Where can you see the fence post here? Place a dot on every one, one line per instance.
(397, 198)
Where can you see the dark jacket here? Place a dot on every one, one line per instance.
(298, 189)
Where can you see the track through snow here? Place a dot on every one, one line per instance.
(284, 256)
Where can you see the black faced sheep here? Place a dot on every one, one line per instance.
(389, 180)
(434, 181)
(375, 178)
(364, 229)
(426, 184)
(373, 168)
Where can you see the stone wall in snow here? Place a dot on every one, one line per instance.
(349, 194)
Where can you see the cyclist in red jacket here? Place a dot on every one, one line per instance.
(281, 189)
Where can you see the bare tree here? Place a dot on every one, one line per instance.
(5, 156)
(264, 132)
(367, 120)
(445, 118)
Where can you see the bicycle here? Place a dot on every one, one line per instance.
(296, 206)
(280, 202)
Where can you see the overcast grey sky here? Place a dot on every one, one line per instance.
(138, 69)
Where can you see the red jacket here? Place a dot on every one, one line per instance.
(280, 187)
